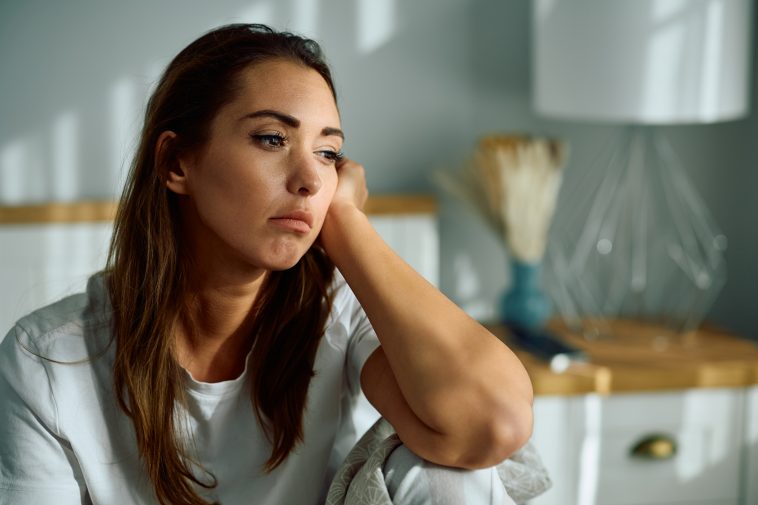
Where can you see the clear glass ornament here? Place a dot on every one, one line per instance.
(649, 249)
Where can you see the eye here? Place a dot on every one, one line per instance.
(270, 140)
(332, 156)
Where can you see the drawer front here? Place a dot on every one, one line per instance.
(750, 444)
(704, 426)
(558, 443)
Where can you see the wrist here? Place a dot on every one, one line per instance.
(343, 219)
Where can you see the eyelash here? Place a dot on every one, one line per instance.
(274, 140)
(332, 155)
(265, 139)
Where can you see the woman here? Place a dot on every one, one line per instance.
(215, 356)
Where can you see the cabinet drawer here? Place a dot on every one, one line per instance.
(703, 425)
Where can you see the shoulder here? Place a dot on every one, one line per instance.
(57, 332)
(60, 332)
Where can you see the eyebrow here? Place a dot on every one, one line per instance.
(292, 121)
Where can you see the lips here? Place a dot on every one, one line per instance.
(296, 220)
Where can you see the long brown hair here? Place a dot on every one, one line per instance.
(148, 279)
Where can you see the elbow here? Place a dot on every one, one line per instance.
(511, 435)
(502, 437)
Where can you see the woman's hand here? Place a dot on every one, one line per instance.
(351, 187)
(350, 197)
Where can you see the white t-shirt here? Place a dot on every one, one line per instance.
(64, 440)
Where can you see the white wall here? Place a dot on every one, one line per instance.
(722, 159)
(418, 81)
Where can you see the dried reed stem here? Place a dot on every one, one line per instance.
(513, 182)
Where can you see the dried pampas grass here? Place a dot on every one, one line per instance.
(512, 181)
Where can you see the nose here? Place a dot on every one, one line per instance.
(305, 178)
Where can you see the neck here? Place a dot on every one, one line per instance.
(214, 337)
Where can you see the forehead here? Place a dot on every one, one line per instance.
(286, 86)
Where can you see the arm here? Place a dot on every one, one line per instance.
(36, 464)
(454, 392)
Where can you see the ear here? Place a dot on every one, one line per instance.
(172, 168)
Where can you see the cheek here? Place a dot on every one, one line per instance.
(234, 178)
(323, 199)
(231, 196)
(330, 183)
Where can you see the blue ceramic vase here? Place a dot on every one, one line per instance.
(524, 304)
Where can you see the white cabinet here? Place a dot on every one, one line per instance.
(42, 262)
(750, 448)
(586, 442)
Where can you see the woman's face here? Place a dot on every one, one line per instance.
(260, 188)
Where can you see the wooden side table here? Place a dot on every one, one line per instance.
(690, 403)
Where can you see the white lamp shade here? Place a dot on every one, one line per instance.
(642, 61)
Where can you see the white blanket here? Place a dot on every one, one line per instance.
(360, 479)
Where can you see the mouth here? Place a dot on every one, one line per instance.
(299, 221)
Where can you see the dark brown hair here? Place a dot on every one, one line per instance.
(148, 279)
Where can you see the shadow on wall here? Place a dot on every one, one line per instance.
(77, 94)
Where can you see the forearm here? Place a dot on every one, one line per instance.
(459, 450)
(455, 376)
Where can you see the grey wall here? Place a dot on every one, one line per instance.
(419, 81)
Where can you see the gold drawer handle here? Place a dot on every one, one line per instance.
(657, 447)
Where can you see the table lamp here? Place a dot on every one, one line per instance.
(649, 248)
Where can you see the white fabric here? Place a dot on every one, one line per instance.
(379, 470)
(411, 480)
(64, 440)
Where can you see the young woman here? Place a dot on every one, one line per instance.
(215, 358)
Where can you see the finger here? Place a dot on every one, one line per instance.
(349, 164)
(343, 161)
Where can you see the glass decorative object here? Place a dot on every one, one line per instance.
(649, 249)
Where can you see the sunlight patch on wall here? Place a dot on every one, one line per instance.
(153, 72)
(22, 171)
(664, 11)
(376, 24)
(260, 12)
(305, 18)
(64, 180)
(124, 128)
(12, 161)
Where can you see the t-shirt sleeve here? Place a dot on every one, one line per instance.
(36, 464)
(361, 343)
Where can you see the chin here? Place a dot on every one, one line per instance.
(283, 266)
(279, 255)
(283, 262)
